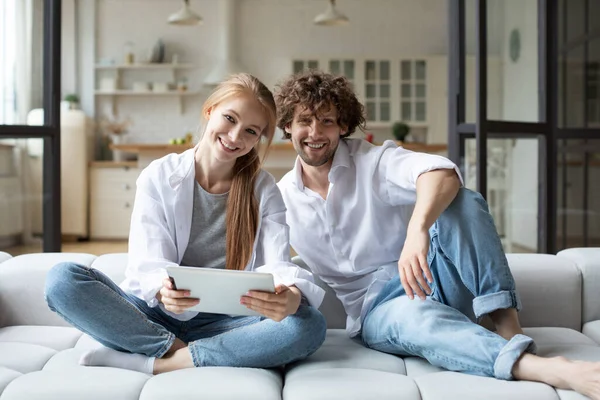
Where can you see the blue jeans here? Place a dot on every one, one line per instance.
(94, 304)
(471, 279)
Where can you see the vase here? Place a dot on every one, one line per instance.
(118, 155)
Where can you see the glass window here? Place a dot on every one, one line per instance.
(413, 90)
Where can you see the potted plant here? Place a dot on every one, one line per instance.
(73, 101)
(400, 130)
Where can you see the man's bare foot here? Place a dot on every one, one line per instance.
(506, 322)
(179, 359)
(580, 376)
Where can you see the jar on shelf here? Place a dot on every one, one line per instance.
(129, 57)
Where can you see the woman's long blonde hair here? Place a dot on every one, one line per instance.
(242, 205)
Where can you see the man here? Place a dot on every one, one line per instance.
(413, 256)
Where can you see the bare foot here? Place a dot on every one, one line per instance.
(585, 378)
(179, 359)
(580, 376)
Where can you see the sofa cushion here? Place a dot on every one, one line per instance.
(22, 281)
(7, 375)
(453, 385)
(349, 384)
(558, 337)
(215, 383)
(4, 256)
(90, 383)
(24, 357)
(54, 337)
(331, 307)
(588, 262)
(592, 330)
(112, 265)
(339, 351)
(550, 290)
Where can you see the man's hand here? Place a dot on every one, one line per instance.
(276, 306)
(176, 301)
(413, 263)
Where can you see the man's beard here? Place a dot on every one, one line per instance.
(318, 162)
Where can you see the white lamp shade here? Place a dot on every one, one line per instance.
(331, 17)
(185, 16)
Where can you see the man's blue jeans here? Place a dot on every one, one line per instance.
(93, 303)
(471, 279)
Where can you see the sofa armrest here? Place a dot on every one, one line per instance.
(588, 262)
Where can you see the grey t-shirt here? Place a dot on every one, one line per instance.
(206, 247)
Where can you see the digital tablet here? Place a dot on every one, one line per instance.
(220, 290)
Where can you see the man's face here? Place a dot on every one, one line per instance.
(315, 137)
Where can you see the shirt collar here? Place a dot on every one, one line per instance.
(340, 159)
(185, 165)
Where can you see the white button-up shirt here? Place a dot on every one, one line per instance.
(160, 230)
(353, 239)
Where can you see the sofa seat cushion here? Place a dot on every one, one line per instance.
(550, 336)
(453, 385)
(7, 375)
(339, 351)
(215, 383)
(348, 384)
(24, 357)
(90, 383)
(592, 330)
(54, 337)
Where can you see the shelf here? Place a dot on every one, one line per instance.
(148, 93)
(145, 66)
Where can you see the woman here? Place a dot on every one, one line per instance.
(211, 206)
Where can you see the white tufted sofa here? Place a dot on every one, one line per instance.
(39, 351)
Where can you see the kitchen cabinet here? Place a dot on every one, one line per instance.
(112, 193)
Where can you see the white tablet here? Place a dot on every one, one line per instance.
(220, 290)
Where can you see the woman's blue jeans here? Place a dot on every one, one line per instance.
(471, 279)
(94, 304)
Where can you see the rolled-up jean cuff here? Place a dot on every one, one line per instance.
(195, 356)
(168, 344)
(488, 303)
(509, 355)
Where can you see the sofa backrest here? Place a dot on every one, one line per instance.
(550, 288)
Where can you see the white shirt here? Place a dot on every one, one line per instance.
(160, 230)
(353, 240)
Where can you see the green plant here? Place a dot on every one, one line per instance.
(400, 130)
(72, 98)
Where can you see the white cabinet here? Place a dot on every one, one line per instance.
(11, 207)
(112, 193)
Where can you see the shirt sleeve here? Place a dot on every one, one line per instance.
(151, 245)
(398, 170)
(273, 246)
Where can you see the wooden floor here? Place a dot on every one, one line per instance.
(90, 247)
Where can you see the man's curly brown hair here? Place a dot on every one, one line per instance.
(316, 91)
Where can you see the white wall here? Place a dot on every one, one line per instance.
(270, 34)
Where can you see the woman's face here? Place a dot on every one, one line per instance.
(234, 127)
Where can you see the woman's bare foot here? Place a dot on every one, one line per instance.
(580, 376)
(506, 322)
(179, 359)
